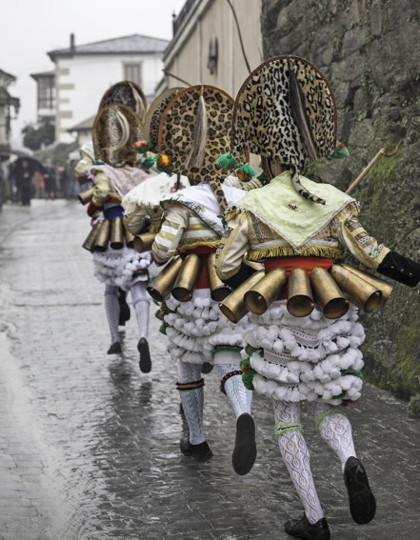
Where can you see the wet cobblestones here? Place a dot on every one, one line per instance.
(89, 445)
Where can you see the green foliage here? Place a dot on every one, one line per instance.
(38, 136)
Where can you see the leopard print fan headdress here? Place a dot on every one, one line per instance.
(285, 111)
(195, 129)
(154, 115)
(126, 93)
(115, 130)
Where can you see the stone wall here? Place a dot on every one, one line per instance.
(368, 49)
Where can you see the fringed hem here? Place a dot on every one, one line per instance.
(121, 268)
(289, 251)
(295, 359)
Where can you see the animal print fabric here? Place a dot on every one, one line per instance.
(154, 115)
(128, 94)
(263, 120)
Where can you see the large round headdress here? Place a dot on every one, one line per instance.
(285, 112)
(154, 115)
(126, 93)
(115, 130)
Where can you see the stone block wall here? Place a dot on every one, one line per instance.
(369, 51)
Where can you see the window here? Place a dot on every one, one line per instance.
(46, 93)
(132, 72)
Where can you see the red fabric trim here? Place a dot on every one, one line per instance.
(289, 263)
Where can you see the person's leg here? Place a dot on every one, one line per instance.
(295, 454)
(245, 451)
(190, 385)
(141, 305)
(335, 429)
(112, 308)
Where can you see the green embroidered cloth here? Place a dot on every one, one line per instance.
(294, 218)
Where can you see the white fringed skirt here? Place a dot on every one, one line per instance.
(305, 358)
(121, 267)
(197, 330)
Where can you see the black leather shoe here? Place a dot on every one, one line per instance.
(115, 348)
(145, 362)
(206, 368)
(301, 528)
(201, 452)
(361, 499)
(245, 450)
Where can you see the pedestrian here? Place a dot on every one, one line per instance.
(195, 128)
(23, 173)
(285, 112)
(50, 180)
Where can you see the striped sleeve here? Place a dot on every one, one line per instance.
(170, 233)
(101, 189)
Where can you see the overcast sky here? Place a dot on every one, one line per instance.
(31, 28)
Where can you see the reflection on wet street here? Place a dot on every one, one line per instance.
(90, 446)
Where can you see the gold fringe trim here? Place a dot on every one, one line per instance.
(288, 251)
(199, 243)
(232, 214)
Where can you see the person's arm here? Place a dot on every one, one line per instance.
(376, 256)
(101, 189)
(234, 247)
(167, 239)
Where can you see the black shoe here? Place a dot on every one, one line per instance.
(201, 452)
(115, 348)
(301, 528)
(245, 450)
(361, 499)
(206, 368)
(145, 362)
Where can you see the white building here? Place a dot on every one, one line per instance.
(84, 72)
(6, 103)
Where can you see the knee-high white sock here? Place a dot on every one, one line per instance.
(235, 390)
(112, 308)
(296, 456)
(141, 305)
(335, 428)
(192, 400)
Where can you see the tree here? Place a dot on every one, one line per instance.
(38, 136)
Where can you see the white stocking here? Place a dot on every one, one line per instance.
(141, 305)
(335, 428)
(235, 389)
(112, 308)
(295, 454)
(192, 400)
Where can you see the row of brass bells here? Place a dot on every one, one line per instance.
(180, 277)
(106, 233)
(332, 290)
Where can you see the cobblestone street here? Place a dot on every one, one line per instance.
(90, 446)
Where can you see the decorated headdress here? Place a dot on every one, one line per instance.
(115, 130)
(126, 93)
(195, 129)
(154, 116)
(285, 112)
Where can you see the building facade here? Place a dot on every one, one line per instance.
(8, 104)
(83, 73)
(206, 48)
(46, 95)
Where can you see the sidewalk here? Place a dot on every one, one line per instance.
(89, 445)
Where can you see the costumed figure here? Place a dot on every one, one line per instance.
(195, 129)
(117, 264)
(304, 346)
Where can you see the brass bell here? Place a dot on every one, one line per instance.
(258, 299)
(143, 242)
(359, 291)
(327, 294)
(117, 234)
(187, 278)
(160, 287)
(218, 289)
(383, 286)
(300, 302)
(86, 196)
(233, 306)
(102, 238)
(129, 237)
(90, 239)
